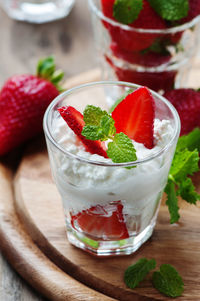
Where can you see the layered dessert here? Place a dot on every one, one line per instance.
(111, 186)
(147, 42)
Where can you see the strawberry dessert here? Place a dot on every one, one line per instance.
(111, 167)
(147, 42)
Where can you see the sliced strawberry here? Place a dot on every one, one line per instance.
(102, 222)
(134, 116)
(75, 121)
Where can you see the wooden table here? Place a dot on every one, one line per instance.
(22, 44)
(70, 40)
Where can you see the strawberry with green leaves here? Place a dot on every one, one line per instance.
(146, 49)
(136, 14)
(23, 101)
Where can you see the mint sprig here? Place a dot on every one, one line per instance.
(135, 273)
(184, 165)
(170, 10)
(127, 11)
(99, 125)
(168, 281)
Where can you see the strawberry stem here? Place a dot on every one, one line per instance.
(46, 70)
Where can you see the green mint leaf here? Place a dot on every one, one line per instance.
(93, 132)
(127, 11)
(172, 202)
(190, 141)
(119, 100)
(185, 163)
(92, 115)
(170, 10)
(121, 149)
(108, 126)
(187, 192)
(168, 281)
(102, 132)
(158, 46)
(135, 273)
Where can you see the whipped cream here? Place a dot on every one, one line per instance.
(83, 185)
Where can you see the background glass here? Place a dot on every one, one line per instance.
(124, 55)
(132, 196)
(37, 11)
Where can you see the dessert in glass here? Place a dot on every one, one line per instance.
(111, 208)
(150, 50)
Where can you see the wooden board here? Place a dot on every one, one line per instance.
(39, 206)
(27, 258)
(33, 238)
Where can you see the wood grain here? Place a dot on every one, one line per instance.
(39, 206)
(28, 260)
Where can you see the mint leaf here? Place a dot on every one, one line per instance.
(187, 191)
(172, 202)
(108, 126)
(168, 281)
(105, 130)
(92, 115)
(190, 141)
(127, 11)
(121, 149)
(170, 10)
(135, 273)
(185, 163)
(119, 100)
(93, 132)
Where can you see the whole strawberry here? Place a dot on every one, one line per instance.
(187, 103)
(23, 101)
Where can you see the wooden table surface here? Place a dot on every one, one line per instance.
(71, 41)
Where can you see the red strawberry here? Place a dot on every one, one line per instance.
(102, 222)
(135, 115)
(194, 11)
(129, 39)
(23, 101)
(75, 121)
(163, 80)
(187, 103)
(149, 59)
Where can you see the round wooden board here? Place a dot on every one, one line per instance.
(39, 207)
(28, 260)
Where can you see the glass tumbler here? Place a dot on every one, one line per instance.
(158, 59)
(37, 11)
(110, 208)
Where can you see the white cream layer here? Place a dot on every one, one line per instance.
(83, 185)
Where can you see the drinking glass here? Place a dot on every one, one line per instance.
(37, 11)
(110, 208)
(126, 53)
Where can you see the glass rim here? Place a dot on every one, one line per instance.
(174, 29)
(102, 163)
